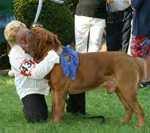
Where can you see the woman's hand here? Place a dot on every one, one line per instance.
(109, 1)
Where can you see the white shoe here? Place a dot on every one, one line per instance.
(11, 73)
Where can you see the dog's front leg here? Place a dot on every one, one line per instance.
(58, 102)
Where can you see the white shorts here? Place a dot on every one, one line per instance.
(88, 33)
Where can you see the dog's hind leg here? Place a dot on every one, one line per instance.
(128, 109)
(140, 113)
(138, 110)
(58, 102)
(131, 99)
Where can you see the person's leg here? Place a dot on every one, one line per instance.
(113, 36)
(118, 30)
(82, 27)
(76, 102)
(35, 108)
(96, 34)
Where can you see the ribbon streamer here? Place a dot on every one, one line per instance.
(39, 8)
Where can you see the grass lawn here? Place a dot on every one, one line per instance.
(98, 103)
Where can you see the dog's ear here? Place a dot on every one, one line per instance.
(57, 42)
(53, 41)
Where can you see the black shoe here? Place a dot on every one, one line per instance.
(145, 84)
(75, 110)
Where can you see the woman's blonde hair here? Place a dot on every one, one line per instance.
(11, 30)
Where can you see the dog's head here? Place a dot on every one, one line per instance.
(41, 41)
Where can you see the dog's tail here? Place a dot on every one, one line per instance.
(144, 68)
(147, 67)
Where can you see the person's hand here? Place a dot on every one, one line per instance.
(109, 1)
(36, 25)
(129, 1)
(59, 51)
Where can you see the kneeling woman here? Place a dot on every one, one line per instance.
(30, 85)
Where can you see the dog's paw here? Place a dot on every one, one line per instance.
(125, 120)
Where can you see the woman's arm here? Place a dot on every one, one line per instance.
(27, 67)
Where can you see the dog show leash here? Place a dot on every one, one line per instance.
(39, 9)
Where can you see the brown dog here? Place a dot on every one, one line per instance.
(100, 68)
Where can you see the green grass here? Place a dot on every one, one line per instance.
(98, 103)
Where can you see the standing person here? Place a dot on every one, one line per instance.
(30, 85)
(118, 25)
(89, 28)
(140, 44)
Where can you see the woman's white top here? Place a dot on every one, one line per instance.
(28, 74)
